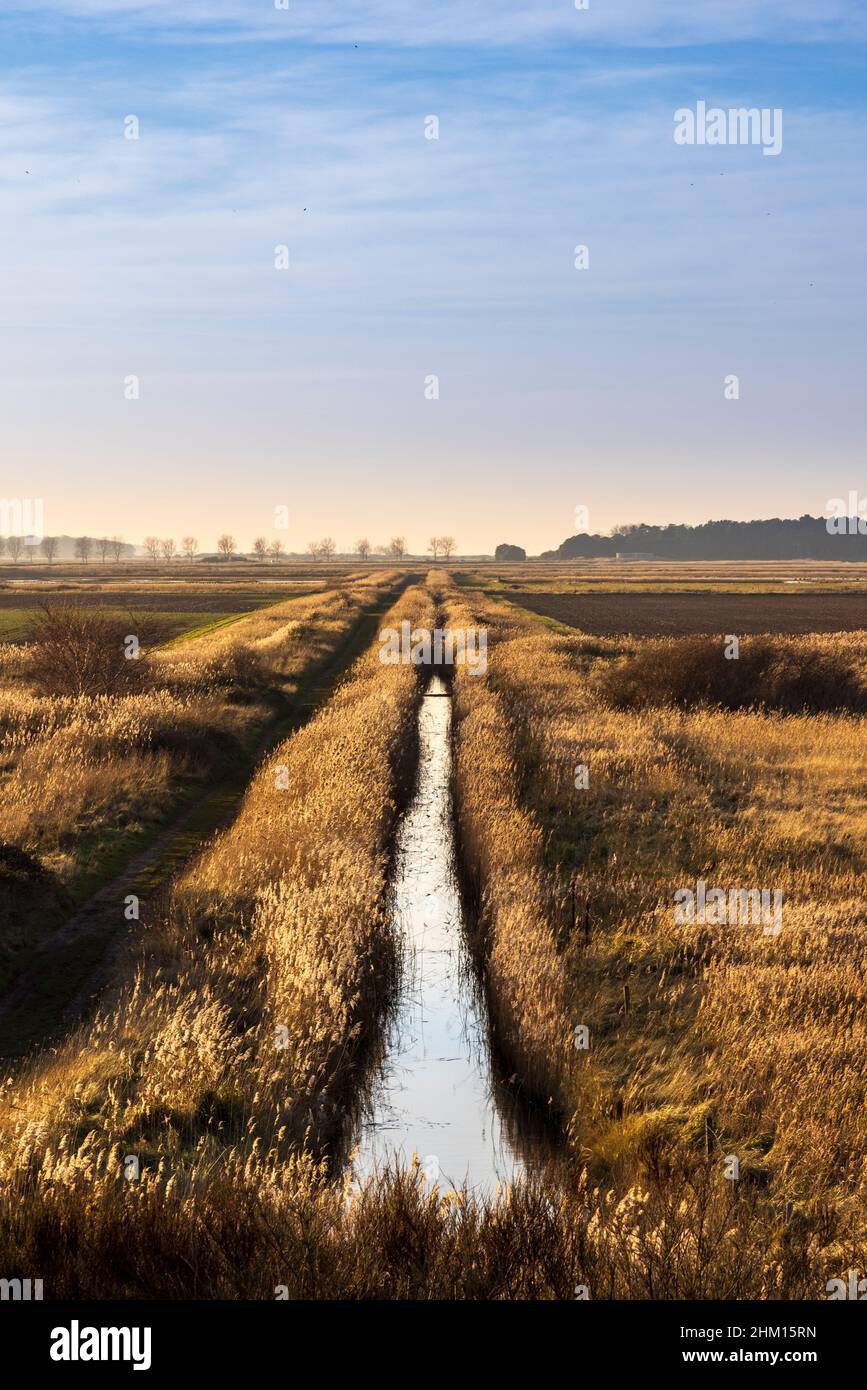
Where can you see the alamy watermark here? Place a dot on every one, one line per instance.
(20, 1290)
(740, 125)
(853, 1286)
(846, 516)
(77, 1343)
(735, 907)
(23, 517)
(441, 647)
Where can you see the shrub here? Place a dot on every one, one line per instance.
(790, 676)
(78, 650)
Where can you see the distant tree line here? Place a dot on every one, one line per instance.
(83, 548)
(806, 538)
(395, 549)
(166, 549)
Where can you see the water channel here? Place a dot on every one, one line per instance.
(435, 1094)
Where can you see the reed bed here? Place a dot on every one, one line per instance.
(237, 1032)
(510, 887)
(225, 1060)
(255, 1231)
(80, 773)
(713, 1041)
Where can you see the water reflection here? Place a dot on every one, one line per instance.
(433, 1094)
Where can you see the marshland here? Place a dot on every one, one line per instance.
(372, 982)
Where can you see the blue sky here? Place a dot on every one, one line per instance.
(411, 257)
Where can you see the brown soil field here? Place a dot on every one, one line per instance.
(649, 615)
(197, 598)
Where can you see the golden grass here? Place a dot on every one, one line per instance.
(227, 1056)
(256, 1231)
(239, 1028)
(501, 846)
(71, 768)
(758, 1037)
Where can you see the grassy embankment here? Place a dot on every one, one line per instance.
(89, 778)
(230, 1050)
(706, 1041)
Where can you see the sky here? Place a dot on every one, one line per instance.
(160, 375)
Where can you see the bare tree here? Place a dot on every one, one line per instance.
(260, 547)
(189, 545)
(447, 545)
(397, 547)
(152, 545)
(226, 545)
(102, 546)
(433, 546)
(381, 550)
(169, 548)
(313, 549)
(116, 547)
(274, 551)
(49, 547)
(83, 650)
(15, 545)
(362, 548)
(327, 548)
(83, 548)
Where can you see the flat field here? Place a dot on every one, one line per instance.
(649, 614)
(660, 576)
(172, 606)
(679, 1096)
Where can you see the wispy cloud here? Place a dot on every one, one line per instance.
(411, 256)
(186, 218)
(408, 23)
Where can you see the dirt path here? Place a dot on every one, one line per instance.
(75, 963)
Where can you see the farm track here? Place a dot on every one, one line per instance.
(72, 967)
